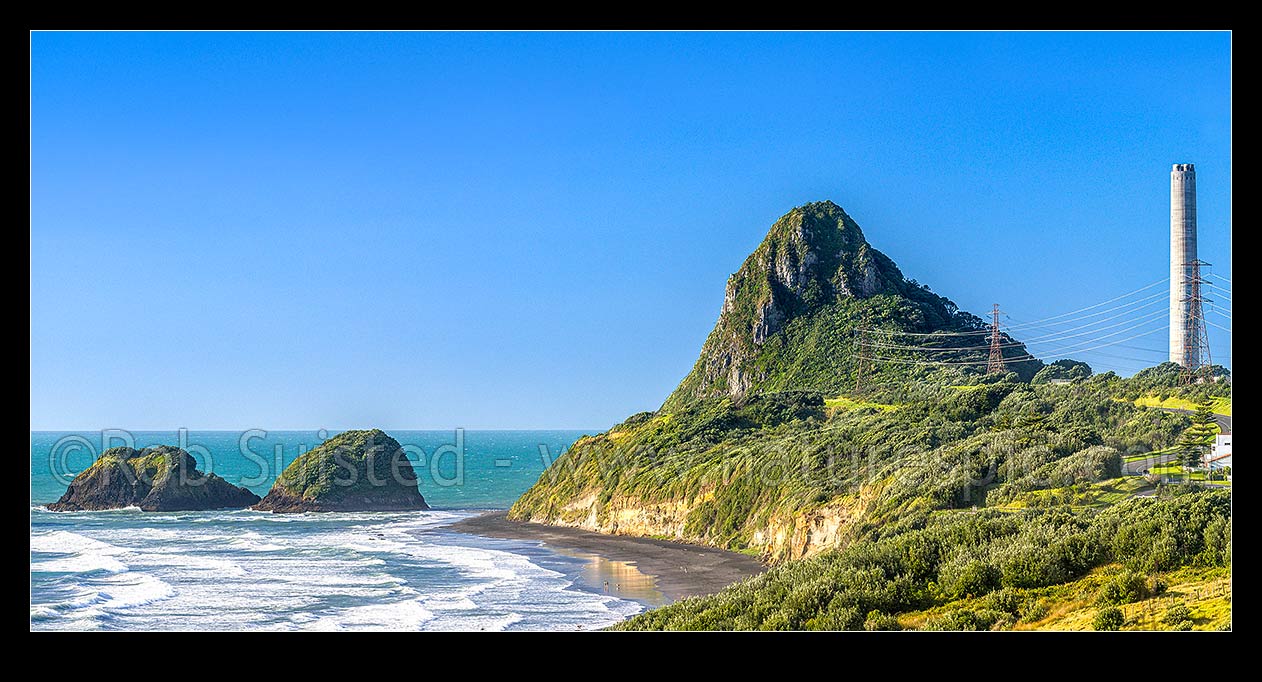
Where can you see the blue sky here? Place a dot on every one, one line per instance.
(517, 230)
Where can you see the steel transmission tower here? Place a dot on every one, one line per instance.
(862, 341)
(994, 365)
(1197, 365)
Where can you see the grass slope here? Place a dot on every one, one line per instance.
(1220, 405)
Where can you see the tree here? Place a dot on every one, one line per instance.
(1195, 441)
(1062, 370)
(1204, 421)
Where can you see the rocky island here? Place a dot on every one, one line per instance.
(352, 471)
(160, 478)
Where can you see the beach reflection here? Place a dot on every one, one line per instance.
(616, 578)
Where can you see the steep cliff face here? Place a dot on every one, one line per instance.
(790, 312)
(779, 537)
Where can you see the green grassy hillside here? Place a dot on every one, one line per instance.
(791, 474)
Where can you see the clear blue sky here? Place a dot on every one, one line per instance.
(534, 230)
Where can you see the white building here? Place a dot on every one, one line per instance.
(1220, 455)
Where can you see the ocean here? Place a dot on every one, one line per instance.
(244, 570)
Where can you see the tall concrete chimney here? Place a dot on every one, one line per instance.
(1182, 252)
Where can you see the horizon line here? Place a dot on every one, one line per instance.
(291, 429)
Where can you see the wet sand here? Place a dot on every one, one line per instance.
(679, 570)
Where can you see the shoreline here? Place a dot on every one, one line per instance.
(679, 570)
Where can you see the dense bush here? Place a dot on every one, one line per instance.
(1151, 534)
(881, 621)
(1123, 588)
(1007, 600)
(1108, 618)
(1177, 614)
(968, 619)
(1062, 370)
(1034, 611)
(932, 446)
(1096, 463)
(1164, 381)
(968, 577)
(944, 557)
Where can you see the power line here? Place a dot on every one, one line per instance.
(1055, 336)
(1050, 338)
(1146, 301)
(1131, 315)
(1225, 291)
(1070, 351)
(1097, 305)
(1018, 325)
(1162, 351)
(1026, 357)
(878, 330)
(1061, 334)
(863, 359)
(1147, 361)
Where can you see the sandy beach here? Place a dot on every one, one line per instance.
(679, 570)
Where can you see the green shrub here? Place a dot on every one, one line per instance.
(1109, 618)
(1007, 600)
(881, 621)
(1034, 612)
(968, 619)
(1179, 613)
(1122, 588)
(968, 578)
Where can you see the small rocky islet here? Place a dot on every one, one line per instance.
(159, 478)
(352, 471)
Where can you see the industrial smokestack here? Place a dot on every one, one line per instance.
(1182, 253)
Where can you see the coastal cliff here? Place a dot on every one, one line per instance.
(781, 537)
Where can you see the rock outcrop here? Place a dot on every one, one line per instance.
(790, 313)
(352, 471)
(810, 307)
(160, 478)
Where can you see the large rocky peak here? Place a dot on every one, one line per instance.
(811, 255)
(790, 311)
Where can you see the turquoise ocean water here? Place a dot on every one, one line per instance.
(239, 569)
